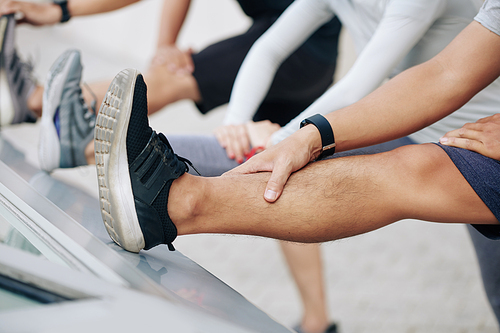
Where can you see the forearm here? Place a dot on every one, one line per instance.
(89, 7)
(257, 72)
(423, 94)
(172, 18)
(395, 36)
(251, 85)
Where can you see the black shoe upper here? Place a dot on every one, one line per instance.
(153, 167)
(151, 175)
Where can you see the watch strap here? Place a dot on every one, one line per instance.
(64, 8)
(326, 132)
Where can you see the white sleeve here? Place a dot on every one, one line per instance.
(300, 20)
(402, 26)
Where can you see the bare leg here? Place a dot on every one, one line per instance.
(35, 101)
(304, 261)
(331, 199)
(164, 88)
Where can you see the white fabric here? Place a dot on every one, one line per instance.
(489, 15)
(390, 36)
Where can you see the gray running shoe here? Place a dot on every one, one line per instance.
(16, 75)
(67, 125)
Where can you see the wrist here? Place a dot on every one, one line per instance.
(165, 45)
(325, 131)
(312, 137)
(63, 10)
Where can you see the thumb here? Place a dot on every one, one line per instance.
(276, 184)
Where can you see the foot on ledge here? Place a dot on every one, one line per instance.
(135, 168)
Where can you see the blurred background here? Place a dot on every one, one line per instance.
(408, 277)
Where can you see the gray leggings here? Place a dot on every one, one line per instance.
(204, 151)
(210, 159)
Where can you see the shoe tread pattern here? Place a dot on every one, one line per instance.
(104, 134)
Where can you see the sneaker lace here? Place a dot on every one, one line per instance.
(27, 67)
(93, 104)
(179, 163)
(24, 67)
(90, 112)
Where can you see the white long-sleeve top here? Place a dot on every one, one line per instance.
(389, 35)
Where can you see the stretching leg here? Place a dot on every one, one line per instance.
(304, 262)
(164, 88)
(488, 254)
(331, 199)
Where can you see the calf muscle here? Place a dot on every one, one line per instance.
(336, 198)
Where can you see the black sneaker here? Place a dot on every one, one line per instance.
(16, 75)
(332, 328)
(135, 168)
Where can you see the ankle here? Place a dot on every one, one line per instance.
(89, 153)
(184, 202)
(35, 101)
(314, 325)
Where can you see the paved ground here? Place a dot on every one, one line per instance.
(408, 277)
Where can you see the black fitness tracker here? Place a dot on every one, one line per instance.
(64, 8)
(326, 132)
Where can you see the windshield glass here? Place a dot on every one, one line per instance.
(17, 232)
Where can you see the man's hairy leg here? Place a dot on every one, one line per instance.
(331, 199)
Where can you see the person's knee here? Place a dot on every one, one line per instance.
(409, 171)
(415, 162)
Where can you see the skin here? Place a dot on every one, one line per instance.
(411, 101)
(331, 199)
(347, 196)
(305, 265)
(483, 137)
(169, 77)
(308, 151)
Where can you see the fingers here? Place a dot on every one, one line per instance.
(234, 139)
(464, 143)
(279, 176)
(492, 118)
(9, 7)
(482, 137)
(469, 131)
(188, 58)
(240, 145)
(177, 61)
(466, 137)
(276, 183)
(253, 166)
(180, 63)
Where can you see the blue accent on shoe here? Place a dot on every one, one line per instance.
(57, 122)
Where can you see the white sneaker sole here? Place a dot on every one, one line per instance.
(7, 111)
(6, 105)
(49, 147)
(115, 189)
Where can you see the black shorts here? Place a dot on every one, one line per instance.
(300, 80)
(483, 175)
